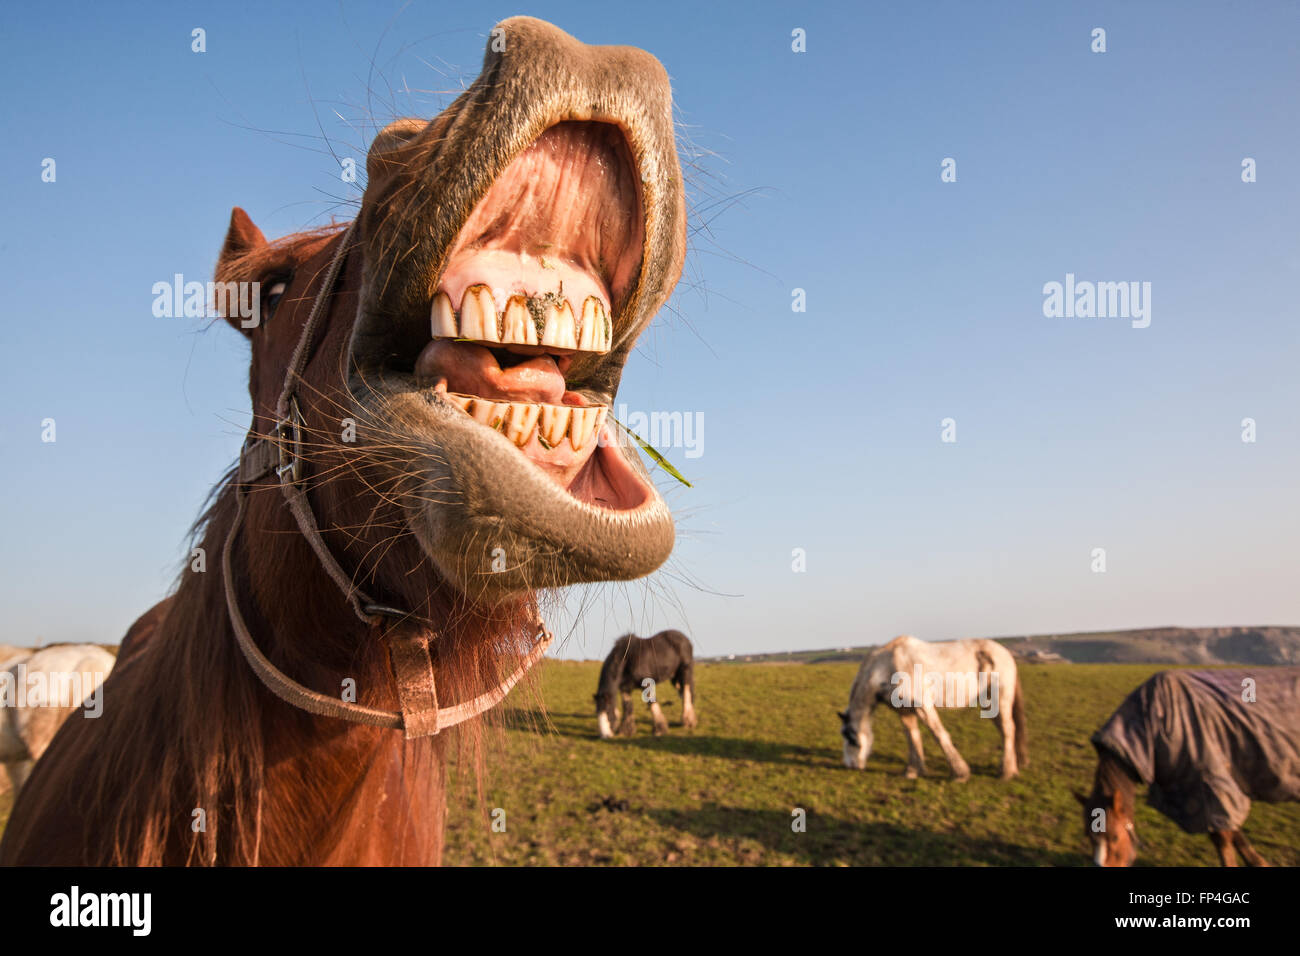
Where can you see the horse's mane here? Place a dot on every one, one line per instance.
(255, 263)
(867, 682)
(198, 745)
(189, 729)
(1112, 776)
(612, 668)
(188, 740)
(194, 735)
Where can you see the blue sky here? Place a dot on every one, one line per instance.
(817, 170)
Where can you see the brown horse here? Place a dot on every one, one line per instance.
(1109, 819)
(429, 390)
(639, 663)
(1206, 743)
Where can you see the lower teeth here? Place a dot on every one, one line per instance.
(520, 421)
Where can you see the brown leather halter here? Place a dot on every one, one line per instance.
(408, 638)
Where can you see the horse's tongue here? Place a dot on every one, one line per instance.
(473, 370)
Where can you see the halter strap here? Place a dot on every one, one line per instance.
(408, 638)
(282, 450)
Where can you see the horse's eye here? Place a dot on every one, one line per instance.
(273, 295)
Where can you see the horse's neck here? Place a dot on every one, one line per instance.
(862, 699)
(333, 791)
(350, 795)
(611, 671)
(876, 678)
(1112, 778)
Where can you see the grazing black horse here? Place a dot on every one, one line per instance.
(1206, 743)
(665, 657)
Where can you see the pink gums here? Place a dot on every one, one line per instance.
(564, 216)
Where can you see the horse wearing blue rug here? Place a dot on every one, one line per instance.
(1205, 743)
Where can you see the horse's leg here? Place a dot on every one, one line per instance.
(1007, 725)
(687, 676)
(658, 719)
(960, 769)
(689, 720)
(1248, 852)
(915, 755)
(988, 679)
(627, 726)
(1222, 840)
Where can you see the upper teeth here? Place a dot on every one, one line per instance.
(558, 328)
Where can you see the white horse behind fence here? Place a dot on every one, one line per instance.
(916, 678)
(39, 690)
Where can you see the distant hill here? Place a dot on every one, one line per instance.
(1152, 645)
(1169, 645)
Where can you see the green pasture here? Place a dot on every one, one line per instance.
(768, 742)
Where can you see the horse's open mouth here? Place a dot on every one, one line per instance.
(515, 246)
(529, 299)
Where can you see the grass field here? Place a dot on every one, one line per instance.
(768, 742)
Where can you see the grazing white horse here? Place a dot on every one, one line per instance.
(916, 678)
(39, 690)
(10, 743)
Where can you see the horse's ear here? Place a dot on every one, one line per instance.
(384, 150)
(242, 238)
(842, 714)
(1081, 798)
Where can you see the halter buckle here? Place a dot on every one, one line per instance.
(287, 434)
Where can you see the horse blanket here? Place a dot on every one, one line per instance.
(1207, 742)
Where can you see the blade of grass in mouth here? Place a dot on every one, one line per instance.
(654, 453)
